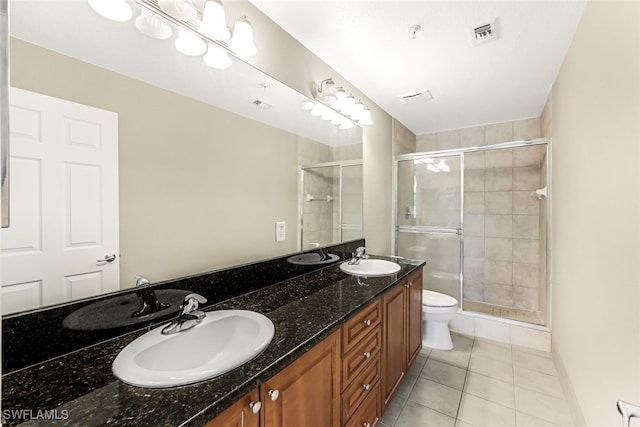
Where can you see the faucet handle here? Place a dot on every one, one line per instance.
(142, 281)
(192, 302)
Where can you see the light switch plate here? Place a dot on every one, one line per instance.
(281, 230)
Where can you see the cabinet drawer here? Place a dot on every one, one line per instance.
(360, 356)
(369, 412)
(361, 387)
(362, 324)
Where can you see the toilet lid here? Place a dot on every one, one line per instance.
(436, 299)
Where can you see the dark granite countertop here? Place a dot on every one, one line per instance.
(79, 389)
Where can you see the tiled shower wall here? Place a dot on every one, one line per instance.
(504, 234)
(502, 227)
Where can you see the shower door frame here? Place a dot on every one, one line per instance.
(341, 164)
(448, 230)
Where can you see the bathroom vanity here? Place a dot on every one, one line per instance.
(349, 378)
(341, 345)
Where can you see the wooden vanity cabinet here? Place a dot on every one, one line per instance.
(401, 331)
(307, 392)
(361, 369)
(243, 413)
(348, 379)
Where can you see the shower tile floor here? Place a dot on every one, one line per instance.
(504, 312)
(479, 383)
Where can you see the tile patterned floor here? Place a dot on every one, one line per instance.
(479, 383)
(504, 312)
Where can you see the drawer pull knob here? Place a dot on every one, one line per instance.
(367, 322)
(273, 394)
(366, 425)
(255, 406)
(367, 354)
(366, 386)
(406, 285)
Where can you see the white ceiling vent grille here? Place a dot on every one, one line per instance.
(416, 97)
(485, 33)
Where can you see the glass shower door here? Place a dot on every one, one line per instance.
(429, 218)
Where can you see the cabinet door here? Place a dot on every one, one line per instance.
(307, 393)
(414, 319)
(243, 413)
(393, 341)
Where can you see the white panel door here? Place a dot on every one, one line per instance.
(64, 203)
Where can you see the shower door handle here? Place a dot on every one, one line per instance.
(459, 231)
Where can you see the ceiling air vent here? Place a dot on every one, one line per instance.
(416, 97)
(261, 104)
(485, 33)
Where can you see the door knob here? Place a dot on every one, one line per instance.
(108, 258)
(273, 394)
(255, 406)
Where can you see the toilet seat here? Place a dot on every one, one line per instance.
(436, 299)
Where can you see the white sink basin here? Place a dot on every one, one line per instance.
(311, 259)
(371, 268)
(223, 341)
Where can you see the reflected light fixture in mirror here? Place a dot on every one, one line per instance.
(189, 43)
(181, 9)
(152, 25)
(217, 58)
(214, 21)
(115, 10)
(241, 42)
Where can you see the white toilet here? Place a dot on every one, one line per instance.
(437, 310)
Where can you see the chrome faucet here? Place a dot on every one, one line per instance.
(628, 411)
(189, 315)
(358, 255)
(147, 300)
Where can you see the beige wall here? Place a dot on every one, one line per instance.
(191, 185)
(284, 58)
(596, 211)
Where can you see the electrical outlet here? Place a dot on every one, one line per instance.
(281, 231)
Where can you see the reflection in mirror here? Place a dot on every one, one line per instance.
(331, 203)
(201, 172)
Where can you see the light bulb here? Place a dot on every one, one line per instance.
(307, 105)
(317, 110)
(153, 25)
(214, 22)
(189, 44)
(217, 58)
(346, 124)
(181, 9)
(358, 111)
(115, 10)
(366, 120)
(242, 39)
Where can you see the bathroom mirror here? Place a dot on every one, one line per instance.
(208, 161)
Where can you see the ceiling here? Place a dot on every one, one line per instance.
(369, 44)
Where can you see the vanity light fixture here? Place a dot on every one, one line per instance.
(153, 25)
(241, 42)
(216, 57)
(326, 92)
(341, 109)
(181, 9)
(214, 21)
(115, 10)
(366, 119)
(189, 44)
